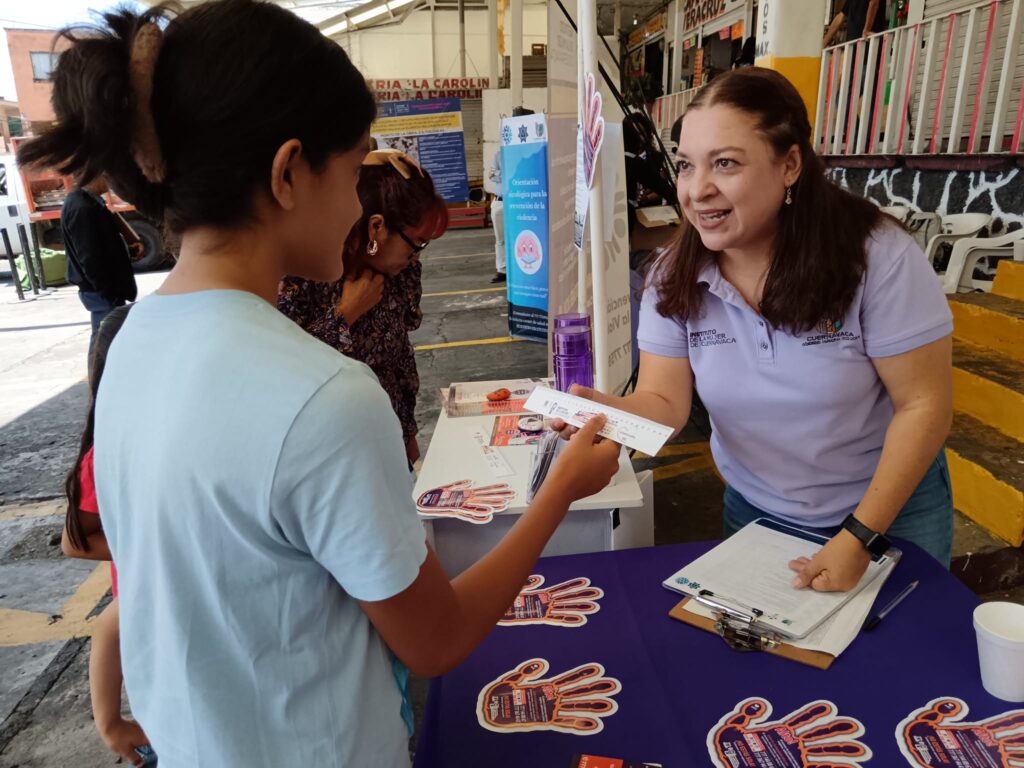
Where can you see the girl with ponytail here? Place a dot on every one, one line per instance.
(253, 481)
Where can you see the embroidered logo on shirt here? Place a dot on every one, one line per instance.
(710, 338)
(829, 326)
(829, 332)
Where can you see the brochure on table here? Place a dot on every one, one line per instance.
(457, 452)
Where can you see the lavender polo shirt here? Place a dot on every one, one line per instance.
(798, 420)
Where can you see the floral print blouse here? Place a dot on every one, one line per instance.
(380, 338)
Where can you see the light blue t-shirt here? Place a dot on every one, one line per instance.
(798, 420)
(253, 485)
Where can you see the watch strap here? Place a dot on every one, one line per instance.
(875, 543)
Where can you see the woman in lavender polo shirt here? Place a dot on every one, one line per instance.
(812, 327)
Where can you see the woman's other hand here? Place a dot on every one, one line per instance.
(359, 295)
(837, 567)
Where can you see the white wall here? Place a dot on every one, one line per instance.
(405, 50)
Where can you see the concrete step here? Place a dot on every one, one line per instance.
(990, 321)
(1009, 281)
(987, 471)
(989, 387)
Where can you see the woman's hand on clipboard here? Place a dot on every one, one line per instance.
(837, 567)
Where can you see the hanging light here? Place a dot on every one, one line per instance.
(636, 20)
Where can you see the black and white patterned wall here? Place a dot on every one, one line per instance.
(1000, 193)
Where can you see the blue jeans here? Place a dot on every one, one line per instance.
(926, 519)
(99, 307)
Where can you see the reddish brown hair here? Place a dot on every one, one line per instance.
(819, 254)
(408, 205)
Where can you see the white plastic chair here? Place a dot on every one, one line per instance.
(956, 226)
(968, 251)
(898, 212)
(922, 226)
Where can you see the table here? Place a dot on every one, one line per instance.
(589, 526)
(679, 681)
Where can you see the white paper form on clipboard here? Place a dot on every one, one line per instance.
(749, 575)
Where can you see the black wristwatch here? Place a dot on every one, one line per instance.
(875, 543)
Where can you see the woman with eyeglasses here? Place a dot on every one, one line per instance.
(367, 315)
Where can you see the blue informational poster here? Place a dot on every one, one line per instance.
(430, 131)
(524, 163)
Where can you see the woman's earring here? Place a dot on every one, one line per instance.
(789, 195)
(372, 248)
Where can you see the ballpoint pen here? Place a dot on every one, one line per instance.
(877, 618)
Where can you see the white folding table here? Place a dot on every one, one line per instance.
(591, 524)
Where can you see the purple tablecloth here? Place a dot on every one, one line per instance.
(678, 681)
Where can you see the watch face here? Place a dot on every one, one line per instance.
(878, 545)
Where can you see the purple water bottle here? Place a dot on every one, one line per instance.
(571, 319)
(572, 354)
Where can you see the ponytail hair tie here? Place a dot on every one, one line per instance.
(141, 68)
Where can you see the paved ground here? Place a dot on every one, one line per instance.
(46, 600)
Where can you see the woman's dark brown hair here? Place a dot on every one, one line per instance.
(411, 206)
(820, 249)
(73, 484)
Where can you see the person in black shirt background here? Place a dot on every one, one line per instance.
(863, 18)
(646, 180)
(99, 260)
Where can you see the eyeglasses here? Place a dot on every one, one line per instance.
(415, 248)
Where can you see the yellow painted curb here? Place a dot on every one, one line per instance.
(1009, 280)
(989, 402)
(39, 509)
(466, 343)
(991, 503)
(997, 331)
(28, 627)
(460, 293)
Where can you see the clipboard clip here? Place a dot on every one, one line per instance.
(738, 628)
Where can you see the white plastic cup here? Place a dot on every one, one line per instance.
(1000, 628)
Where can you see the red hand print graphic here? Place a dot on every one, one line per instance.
(811, 737)
(464, 502)
(562, 605)
(593, 128)
(939, 735)
(574, 702)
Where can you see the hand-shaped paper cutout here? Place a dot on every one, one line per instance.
(574, 702)
(593, 128)
(464, 502)
(561, 605)
(938, 735)
(811, 737)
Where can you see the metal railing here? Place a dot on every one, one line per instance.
(668, 109)
(946, 85)
(952, 84)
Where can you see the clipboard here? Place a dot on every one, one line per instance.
(816, 659)
(750, 570)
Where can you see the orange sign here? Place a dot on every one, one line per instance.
(651, 28)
